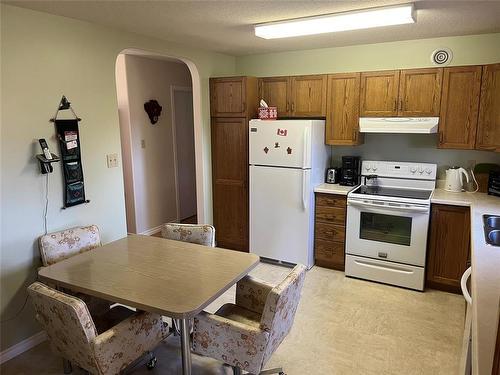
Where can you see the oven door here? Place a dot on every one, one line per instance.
(385, 230)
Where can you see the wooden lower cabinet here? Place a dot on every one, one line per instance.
(449, 247)
(329, 231)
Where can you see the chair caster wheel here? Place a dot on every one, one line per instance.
(151, 363)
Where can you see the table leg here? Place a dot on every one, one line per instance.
(185, 347)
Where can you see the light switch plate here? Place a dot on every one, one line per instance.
(112, 160)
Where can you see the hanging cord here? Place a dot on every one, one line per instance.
(45, 213)
(475, 181)
(17, 313)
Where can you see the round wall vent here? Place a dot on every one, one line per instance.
(442, 56)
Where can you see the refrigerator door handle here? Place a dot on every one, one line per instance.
(304, 189)
(305, 151)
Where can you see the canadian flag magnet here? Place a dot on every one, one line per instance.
(282, 132)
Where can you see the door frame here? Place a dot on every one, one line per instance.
(173, 89)
(203, 203)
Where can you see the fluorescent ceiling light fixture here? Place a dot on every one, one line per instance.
(329, 23)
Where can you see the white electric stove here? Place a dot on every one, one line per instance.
(387, 223)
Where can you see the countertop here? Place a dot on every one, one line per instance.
(485, 276)
(333, 189)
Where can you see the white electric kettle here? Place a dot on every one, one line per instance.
(454, 180)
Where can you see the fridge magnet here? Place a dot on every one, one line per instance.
(282, 132)
(289, 150)
(266, 150)
(276, 145)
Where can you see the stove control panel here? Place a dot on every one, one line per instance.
(419, 171)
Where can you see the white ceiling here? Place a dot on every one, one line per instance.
(227, 26)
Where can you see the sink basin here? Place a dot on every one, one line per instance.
(494, 237)
(493, 222)
(492, 229)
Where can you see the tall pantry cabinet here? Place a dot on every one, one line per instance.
(233, 102)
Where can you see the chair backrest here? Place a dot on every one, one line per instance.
(280, 308)
(58, 246)
(201, 234)
(68, 324)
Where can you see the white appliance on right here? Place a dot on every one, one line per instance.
(387, 223)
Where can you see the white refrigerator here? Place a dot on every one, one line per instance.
(287, 158)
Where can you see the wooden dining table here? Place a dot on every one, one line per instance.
(172, 278)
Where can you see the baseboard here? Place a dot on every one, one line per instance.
(157, 229)
(22, 346)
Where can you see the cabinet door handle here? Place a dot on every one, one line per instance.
(395, 104)
(441, 137)
(293, 106)
(401, 105)
(287, 105)
(244, 106)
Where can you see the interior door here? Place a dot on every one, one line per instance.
(420, 92)
(379, 94)
(280, 204)
(184, 147)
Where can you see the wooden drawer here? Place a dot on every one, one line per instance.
(329, 254)
(332, 215)
(331, 200)
(330, 232)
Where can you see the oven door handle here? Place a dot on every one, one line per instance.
(384, 206)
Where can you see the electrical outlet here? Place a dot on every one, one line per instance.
(143, 143)
(112, 160)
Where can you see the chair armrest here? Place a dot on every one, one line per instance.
(251, 293)
(232, 342)
(127, 341)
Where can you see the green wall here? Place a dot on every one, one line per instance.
(467, 50)
(43, 57)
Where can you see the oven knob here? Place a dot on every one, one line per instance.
(374, 168)
(420, 170)
(368, 167)
(413, 169)
(428, 170)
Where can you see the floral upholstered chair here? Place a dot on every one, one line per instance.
(105, 348)
(201, 234)
(57, 246)
(245, 335)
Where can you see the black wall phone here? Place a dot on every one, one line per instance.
(47, 158)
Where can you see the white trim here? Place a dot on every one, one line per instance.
(151, 231)
(174, 88)
(202, 186)
(22, 346)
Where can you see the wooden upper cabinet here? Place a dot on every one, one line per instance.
(420, 92)
(233, 96)
(379, 94)
(342, 120)
(275, 91)
(488, 130)
(459, 107)
(308, 96)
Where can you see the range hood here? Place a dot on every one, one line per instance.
(403, 125)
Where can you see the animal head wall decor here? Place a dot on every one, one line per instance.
(153, 109)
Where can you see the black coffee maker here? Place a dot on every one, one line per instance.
(351, 171)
